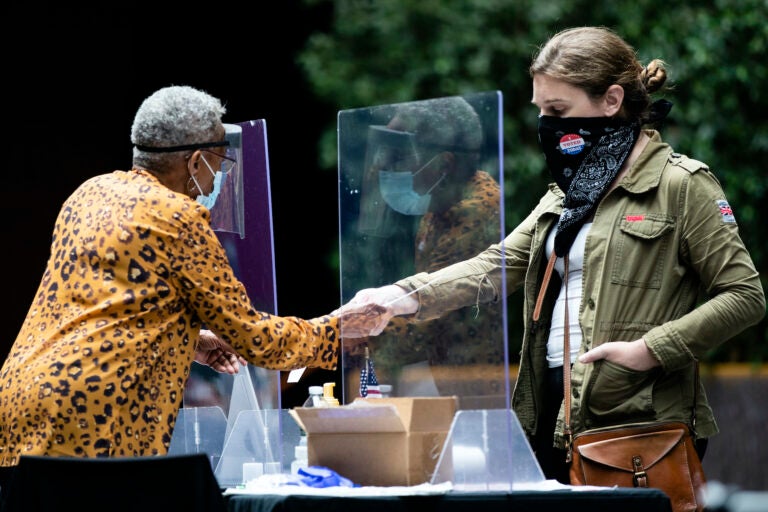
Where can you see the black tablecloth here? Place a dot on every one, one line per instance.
(566, 500)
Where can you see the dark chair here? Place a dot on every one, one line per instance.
(140, 484)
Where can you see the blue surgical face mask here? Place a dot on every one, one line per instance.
(397, 190)
(208, 200)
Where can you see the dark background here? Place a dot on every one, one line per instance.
(74, 78)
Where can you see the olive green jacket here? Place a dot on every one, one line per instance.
(663, 261)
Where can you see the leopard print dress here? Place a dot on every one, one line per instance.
(99, 366)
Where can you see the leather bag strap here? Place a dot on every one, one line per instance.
(567, 431)
(544, 286)
(695, 397)
(566, 343)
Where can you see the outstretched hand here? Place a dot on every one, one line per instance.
(218, 354)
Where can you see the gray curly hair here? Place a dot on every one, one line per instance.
(174, 116)
(448, 122)
(444, 124)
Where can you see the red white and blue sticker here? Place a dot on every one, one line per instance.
(571, 144)
(726, 211)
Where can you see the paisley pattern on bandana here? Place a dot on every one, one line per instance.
(592, 179)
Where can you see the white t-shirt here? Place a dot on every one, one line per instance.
(575, 266)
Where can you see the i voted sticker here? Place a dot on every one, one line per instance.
(571, 144)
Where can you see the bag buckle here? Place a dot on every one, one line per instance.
(639, 478)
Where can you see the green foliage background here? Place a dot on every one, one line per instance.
(389, 51)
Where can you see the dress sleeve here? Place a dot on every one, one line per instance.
(221, 302)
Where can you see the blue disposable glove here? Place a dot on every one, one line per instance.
(320, 476)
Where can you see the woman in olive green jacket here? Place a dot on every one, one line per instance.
(658, 274)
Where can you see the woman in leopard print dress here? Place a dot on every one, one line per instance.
(99, 366)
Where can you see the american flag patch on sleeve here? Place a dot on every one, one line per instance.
(726, 211)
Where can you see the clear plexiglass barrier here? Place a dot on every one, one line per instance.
(421, 187)
(486, 450)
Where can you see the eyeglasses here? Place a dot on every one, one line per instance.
(227, 162)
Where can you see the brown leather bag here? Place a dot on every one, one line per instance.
(659, 455)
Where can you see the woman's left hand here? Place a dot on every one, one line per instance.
(218, 354)
(630, 354)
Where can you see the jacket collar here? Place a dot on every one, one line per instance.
(645, 173)
(556, 190)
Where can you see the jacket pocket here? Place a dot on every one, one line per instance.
(642, 244)
(617, 393)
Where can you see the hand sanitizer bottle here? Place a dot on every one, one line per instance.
(328, 394)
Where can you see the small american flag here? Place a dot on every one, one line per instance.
(369, 385)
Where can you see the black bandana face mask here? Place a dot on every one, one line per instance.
(584, 155)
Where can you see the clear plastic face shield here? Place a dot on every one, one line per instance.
(391, 150)
(387, 151)
(228, 211)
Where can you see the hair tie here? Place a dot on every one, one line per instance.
(659, 110)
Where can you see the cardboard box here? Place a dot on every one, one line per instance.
(380, 442)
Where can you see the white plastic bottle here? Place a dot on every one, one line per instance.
(315, 398)
(300, 456)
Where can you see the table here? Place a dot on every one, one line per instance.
(566, 500)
